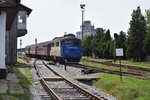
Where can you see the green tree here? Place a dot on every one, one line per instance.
(106, 44)
(98, 43)
(121, 41)
(147, 38)
(136, 35)
(94, 46)
(87, 46)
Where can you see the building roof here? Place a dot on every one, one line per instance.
(23, 7)
(9, 5)
(12, 10)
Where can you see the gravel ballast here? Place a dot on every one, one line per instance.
(38, 91)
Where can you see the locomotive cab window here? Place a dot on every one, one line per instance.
(68, 43)
(76, 43)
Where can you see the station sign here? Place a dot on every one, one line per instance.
(119, 52)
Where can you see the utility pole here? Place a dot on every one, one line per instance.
(83, 10)
(36, 41)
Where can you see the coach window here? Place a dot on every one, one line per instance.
(57, 44)
(52, 44)
(44, 45)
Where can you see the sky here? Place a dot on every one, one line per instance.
(52, 18)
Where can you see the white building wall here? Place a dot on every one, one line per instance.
(2, 39)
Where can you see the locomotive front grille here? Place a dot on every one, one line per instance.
(72, 49)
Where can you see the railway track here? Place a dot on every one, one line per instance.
(109, 63)
(104, 70)
(63, 89)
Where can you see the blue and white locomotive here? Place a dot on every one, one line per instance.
(59, 49)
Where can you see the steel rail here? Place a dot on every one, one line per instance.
(142, 68)
(43, 82)
(80, 89)
(104, 70)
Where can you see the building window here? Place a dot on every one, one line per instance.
(22, 17)
(52, 44)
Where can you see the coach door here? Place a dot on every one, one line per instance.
(28, 50)
(36, 50)
(48, 49)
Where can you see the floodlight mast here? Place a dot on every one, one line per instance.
(83, 10)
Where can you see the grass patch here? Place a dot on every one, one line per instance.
(14, 98)
(24, 81)
(8, 91)
(28, 75)
(129, 89)
(1, 98)
(146, 64)
(22, 57)
(71, 74)
(97, 59)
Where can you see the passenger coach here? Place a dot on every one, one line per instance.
(59, 49)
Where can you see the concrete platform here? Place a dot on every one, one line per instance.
(3, 86)
(14, 84)
(11, 83)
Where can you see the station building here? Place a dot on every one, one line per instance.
(13, 21)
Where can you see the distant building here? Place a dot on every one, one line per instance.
(88, 29)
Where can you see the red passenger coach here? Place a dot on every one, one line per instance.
(42, 49)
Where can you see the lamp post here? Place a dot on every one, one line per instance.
(82, 9)
(36, 41)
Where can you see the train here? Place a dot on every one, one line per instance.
(60, 49)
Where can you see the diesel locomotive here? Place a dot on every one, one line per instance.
(60, 49)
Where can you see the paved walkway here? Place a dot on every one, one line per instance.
(11, 84)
